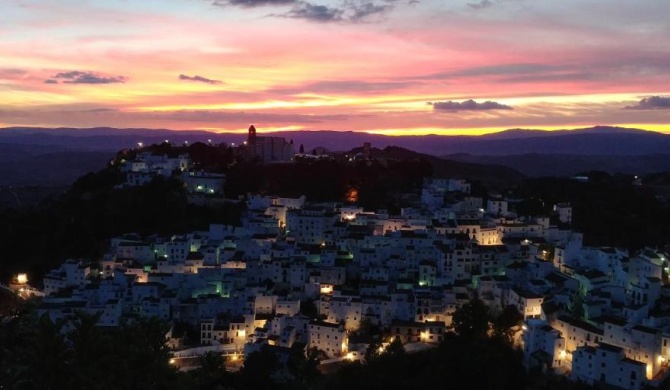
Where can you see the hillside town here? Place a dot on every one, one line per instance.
(313, 274)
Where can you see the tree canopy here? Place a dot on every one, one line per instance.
(471, 320)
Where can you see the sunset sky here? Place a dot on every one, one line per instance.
(384, 66)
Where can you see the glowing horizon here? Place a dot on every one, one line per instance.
(394, 67)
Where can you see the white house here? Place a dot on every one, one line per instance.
(329, 338)
(606, 364)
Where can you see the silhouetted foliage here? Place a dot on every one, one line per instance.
(506, 323)
(471, 320)
(258, 369)
(212, 371)
(304, 368)
(37, 353)
(395, 348)
(79, 224)
(488, 364)
(604, 209)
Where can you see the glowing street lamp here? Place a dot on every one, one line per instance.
(22, 278)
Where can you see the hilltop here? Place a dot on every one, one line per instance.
(56, 157)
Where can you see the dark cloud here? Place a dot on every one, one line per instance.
(344, 86)
(361, 11)
(78, 77)
(468, 105)
(253, 3)
(558, 77)
(481, 5)
(315, 13)
(347, 11)
(652, 103)
(199, 79)
(100, 110)
(645, 65)
(11, 72)
(484, 4)
(496, 70)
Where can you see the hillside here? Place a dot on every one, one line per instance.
(491, 173)
(535, 164)
(50, 168)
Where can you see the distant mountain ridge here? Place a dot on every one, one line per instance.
(535, 133)
(598, 140)
(50, 157)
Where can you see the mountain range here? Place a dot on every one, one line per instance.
(598, 140)
(28, 155)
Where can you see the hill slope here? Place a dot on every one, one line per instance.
(535, 164)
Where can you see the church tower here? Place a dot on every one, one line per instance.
(251, 138)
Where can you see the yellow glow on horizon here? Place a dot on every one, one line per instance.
(32, 98)
(434, 131)
(660, 128)
(263, 129)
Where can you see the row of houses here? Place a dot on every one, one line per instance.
(587, 310)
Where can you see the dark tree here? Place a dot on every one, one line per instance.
(373, 351)
(395, 348)
(258, 369)
(471, 321)
(212, 371)
(505, 325)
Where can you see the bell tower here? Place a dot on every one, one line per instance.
(251, 138)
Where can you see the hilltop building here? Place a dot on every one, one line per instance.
(269, 149)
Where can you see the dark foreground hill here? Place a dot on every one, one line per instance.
(490, 173)
(537, 164)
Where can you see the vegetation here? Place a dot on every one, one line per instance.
(79, 224)
(456, 363)
(471, 320)
(331, 180)
(37, 353)
(609, 210)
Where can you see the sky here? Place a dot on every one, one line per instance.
(396, 67)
